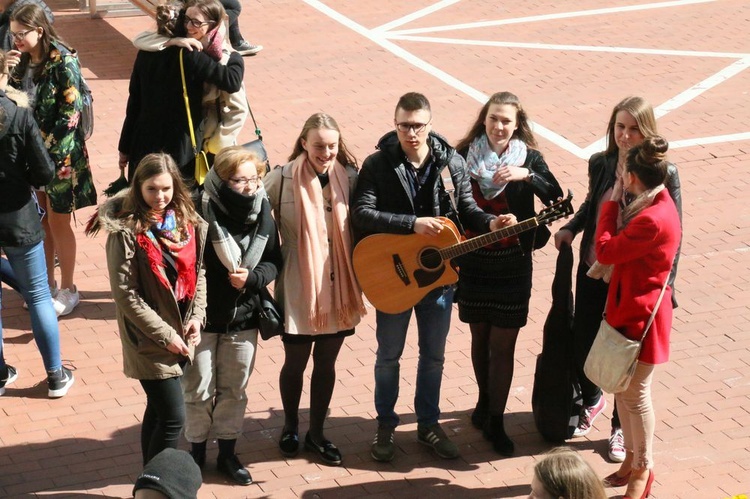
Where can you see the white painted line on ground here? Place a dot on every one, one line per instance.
(550, 17)
(382, 39)
(569, 48)
(438, 73)
(707, 84)
(415, 15)
(716, 139)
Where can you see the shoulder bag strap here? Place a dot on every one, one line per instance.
(187, 105)
(450, 188)
(653, 314)
(252, 117)
(656, 308)
(281, 192)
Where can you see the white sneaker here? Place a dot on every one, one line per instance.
(616, 446)
(66, 301)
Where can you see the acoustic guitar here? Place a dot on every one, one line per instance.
(395, 271)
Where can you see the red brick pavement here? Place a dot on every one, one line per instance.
(86, 444)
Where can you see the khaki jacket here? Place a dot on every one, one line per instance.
(148, 316)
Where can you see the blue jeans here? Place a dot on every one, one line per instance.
(30, 271)
(7, 275)
(433, 323)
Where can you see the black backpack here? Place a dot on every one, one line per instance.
(556, 398)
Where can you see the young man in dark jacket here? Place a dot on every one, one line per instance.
(400, 190)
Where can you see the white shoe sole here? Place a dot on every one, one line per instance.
(61, 392)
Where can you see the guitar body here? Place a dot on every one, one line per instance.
(395, 271)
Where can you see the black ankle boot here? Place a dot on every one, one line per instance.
(480, 413)
(494, 431)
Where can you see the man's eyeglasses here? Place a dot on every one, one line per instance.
(21, 34)
(416, 127)
(242, 181)
(196, 23)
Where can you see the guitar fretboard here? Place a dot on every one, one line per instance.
(475, 243)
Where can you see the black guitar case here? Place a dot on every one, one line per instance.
(556, 399)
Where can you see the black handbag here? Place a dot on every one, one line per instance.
(257, 146)
(270, 315)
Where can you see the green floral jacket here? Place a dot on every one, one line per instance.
(57, 112)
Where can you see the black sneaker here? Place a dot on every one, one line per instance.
(232, 468)
(383, 449)
(59, 382)
(434, 436)
(7, 378)
(247, 48)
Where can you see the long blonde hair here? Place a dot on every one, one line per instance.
(641, 111)
(322, 120)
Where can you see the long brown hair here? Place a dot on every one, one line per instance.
(322, 120)
(641, 110)
(135, 207)
(33, 16)
(564, 473)
(212, 9)
(523, 132)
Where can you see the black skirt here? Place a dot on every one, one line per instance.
(494, 286)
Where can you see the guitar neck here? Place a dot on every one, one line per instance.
(475, 243)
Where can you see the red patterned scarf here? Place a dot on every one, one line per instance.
(165, 236)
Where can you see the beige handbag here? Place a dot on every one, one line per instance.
(613, 357)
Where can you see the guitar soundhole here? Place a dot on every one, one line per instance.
(430, 259)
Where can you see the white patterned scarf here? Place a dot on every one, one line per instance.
(483, 163)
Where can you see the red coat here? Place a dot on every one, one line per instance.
(642, 254)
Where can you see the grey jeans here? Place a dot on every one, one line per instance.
(215, 385)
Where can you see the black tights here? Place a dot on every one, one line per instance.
(324, 353)
(164, 416)
(492, 355)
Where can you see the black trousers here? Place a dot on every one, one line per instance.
(233, 8)
(590, 298)
(164, 416)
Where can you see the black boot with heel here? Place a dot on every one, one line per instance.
(494, 431)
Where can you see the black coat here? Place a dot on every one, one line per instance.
(24, 162)
(155, 117)
(382, 201)
(602, 168)
(520, 197)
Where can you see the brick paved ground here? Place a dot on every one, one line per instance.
(86, 444)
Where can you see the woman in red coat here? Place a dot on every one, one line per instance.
(638, 245)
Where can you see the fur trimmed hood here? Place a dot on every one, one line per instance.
(19, 97)
(107, 216)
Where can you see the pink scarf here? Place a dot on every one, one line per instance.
(344, 297)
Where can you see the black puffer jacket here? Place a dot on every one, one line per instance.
(24, 162)
(602, 169)
(382, 201)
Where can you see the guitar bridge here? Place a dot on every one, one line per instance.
(398, 266)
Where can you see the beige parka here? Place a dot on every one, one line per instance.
(148, 316)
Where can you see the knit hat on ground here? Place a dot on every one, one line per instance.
(172, 472)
